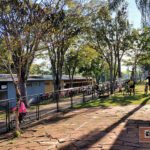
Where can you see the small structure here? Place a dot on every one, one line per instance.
(78, 81)
(38, 84)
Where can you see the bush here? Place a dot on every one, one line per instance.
(17, 134)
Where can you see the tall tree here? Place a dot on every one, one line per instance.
(22, 25)
(144, 39)
(144, 7)
(138, 50)
(109, 37)
(67, 24)
(122, 33)
(89, 62)
(71, 63)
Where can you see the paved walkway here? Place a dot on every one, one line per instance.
(45, 110)
(87, 129)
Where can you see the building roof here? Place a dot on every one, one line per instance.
(7, 77)
(64, 77)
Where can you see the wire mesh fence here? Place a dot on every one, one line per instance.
(43, 104)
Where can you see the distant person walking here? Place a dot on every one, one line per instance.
(131, 84)
(146, 88)
(148, 78)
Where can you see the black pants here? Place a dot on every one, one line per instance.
(21, 116)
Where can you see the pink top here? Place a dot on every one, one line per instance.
(22, 108)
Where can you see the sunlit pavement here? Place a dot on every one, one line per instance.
(90, 128)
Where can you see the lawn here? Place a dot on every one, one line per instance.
(2, 115)
(118, 99)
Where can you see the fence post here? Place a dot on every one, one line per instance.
(71, 98)
(57, 100)
(92, 93)
(83, 96)
(6, 111)
(8, 117)
(37, 108)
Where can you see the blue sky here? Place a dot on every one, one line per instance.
(134, 14)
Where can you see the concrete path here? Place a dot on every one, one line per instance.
(113, 128)
(44, 110)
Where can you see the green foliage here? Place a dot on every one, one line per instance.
(40, 69)
(17, 134)
(87, 56)
(71, 62)
(118, 100)
(140, 47)
(109, 36)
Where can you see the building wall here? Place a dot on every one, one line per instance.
(78, 82)
(62, 84)
(39, 87)
(3, 90)
(35, 87)
(11, 94)
(11, 90)
(48, 86)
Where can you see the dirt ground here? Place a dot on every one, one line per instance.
(86, 129)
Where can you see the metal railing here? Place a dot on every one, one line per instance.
(43, 104)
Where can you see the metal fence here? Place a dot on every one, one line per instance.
(43, 104)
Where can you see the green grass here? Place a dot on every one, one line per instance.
(118, 99)
(2, 115)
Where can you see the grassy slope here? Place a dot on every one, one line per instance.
(118, 99)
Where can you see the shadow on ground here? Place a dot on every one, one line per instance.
(94, 136)
(129, 137)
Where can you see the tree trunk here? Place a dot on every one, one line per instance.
(111, 81)
(57, 87)
(72, 76)
(18, 95)
(23, 90)
(135, 73)
(140, 76)
(23, 93)
(17, 128)
(119, 69)
(71, 80)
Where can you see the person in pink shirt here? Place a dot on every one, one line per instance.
(22, 111)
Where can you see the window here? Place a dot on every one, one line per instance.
(3, 87)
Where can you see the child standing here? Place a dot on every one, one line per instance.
(22, 111)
